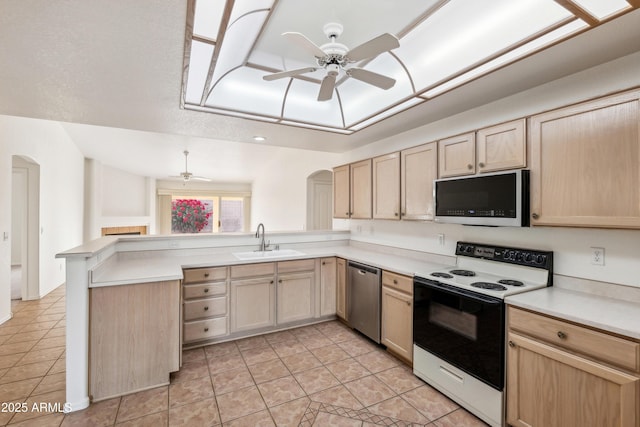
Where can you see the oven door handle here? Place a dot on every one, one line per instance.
(442, 287)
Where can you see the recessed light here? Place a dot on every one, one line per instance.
(259, 138)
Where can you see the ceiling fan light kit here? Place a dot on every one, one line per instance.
(335, 57)
(187, 176)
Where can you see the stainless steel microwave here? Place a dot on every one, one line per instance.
(492, 199)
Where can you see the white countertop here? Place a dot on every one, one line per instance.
(609, 314)
(120, 270)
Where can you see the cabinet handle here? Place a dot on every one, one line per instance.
(271, 282)
(512, 344)
(280, 281)
(395, 281)
(403, 213)
(346, 213)
(481, 164)
(206, 329)
(206, 274)
(206, 290)
(206, 308)
(324, 263)
(396, 214)
(535, 215)
(408, 302)
(469, 166)
(562, 335)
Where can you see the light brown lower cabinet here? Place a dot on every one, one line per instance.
(397, 314)
(341, 288)
(553, 379)
(134, 337)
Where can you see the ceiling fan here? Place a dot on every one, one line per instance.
(187, 176)
(334, 57)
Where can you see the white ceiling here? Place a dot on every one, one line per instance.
(118, 64)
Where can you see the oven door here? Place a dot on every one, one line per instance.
(461, 327)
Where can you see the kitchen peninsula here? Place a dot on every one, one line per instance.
(121, 277)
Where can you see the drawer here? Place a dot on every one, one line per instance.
(204, 290)
(205, 308)
(204, 329)
(195, 275)
(598, 345)
(297, 265)
(253, 270)
(398, 281)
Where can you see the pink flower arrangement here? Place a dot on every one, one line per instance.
(188, 216)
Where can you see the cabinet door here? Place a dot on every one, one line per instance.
(341, 201)
(418, 169)
(252, 303)
(553, 388)
(397, 322)
(502, 147)
(457, 155)
(341, 288)
(295, 297)
(585, 164)
(134, 337)
(361, 189)
(328, 273)
(386, 186)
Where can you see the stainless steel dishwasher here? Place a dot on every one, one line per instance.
(363, 299)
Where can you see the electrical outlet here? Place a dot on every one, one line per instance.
(441, 239)
(597, 256)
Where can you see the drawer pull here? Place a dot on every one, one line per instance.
(512, 344)
(206, 329)
(206, 290)
(562, 335)
(206, 308)
(395, 281)
(408, 302)
(206, 274)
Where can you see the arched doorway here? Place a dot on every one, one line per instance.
(25, 226)
(320, 200)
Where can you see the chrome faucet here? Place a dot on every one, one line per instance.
(263, 246)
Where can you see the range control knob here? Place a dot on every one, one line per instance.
(528, 257)
(541, 259)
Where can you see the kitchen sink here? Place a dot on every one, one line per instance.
(280, 253)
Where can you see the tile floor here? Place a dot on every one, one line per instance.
(317, 375)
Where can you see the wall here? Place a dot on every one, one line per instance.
(571, 245)
(278, 196)
(61, 196)
(116, 198)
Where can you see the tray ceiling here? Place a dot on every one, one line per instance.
(230, 46)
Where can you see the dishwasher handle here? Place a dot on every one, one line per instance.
(363, 269)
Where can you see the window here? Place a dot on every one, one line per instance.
(202, 211)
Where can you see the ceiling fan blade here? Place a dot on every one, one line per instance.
(200, 178)
(305, 43)
(326, 88)
(383, 82)
(373, 47)
(290, 73)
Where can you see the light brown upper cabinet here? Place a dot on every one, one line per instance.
(502, 147)
(361, 189)
(418, 169)
(352, 190)
(341, 190)
(491, 149)
(386, 186)
(457, 155)
(585, 164)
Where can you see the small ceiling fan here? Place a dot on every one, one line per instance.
(334, 57)
(187, 176)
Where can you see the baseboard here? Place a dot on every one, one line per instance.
(6, 318)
